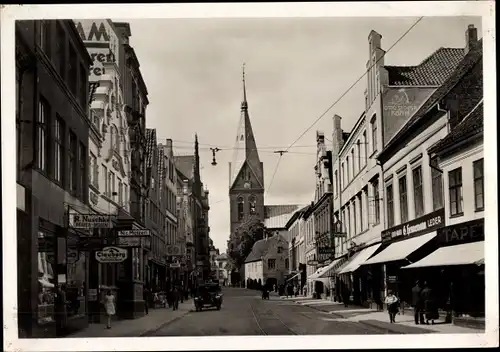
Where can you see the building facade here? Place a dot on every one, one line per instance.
(265, 265)
(185, 227)
(52, 148)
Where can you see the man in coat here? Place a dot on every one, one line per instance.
(418, 303)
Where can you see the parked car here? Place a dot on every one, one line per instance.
(208, 295)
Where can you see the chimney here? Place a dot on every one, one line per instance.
(337, 136)
(470, 37)
(169, 147)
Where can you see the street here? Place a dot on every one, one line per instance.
(243, 312)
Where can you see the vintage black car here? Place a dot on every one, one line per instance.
(208, 295)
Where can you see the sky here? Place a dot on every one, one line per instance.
(295, 69)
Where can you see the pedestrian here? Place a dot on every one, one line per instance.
(305, 291)
(418, 304)
(274, 288)
(295, 290)
(61, 310)
(392, 306)
(145, 296)
(346, 295)
(109, 306)
(430, 306)
(286, 290)
(175, 298)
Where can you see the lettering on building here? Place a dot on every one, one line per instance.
(471, 231)
(95, 34)
(418, 226)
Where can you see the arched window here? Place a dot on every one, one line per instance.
(253, 203)
(240, 208)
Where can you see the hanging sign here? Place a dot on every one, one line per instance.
(111, 255)
(134, 233)
(91, 221)
(129, 241)
(173, 250)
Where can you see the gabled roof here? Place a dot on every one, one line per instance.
(297, 215)
(185, 164)
(276, 210)
(471, 125)
(467, 63)
(150, 146)
(432, 71)
(261, 247)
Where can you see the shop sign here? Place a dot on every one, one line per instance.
(129, 242)
(325, 250)
(418, 226)
(174, 250)
(175, 265)
(135, 233)
(312, 262)
(91, 221)
(466, 232)
(392, 279)
(111, 255)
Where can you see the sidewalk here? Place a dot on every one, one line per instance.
(404, 322)
(155, 320)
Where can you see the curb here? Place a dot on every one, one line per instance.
(395, 331)
(162, 325)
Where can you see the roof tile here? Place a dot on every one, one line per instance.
(432, 71)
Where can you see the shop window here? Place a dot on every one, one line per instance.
(418, 192)
(455, 188)
(403, 199)
(42, 124)
(83, 172)
(437, 189)
(376, 199)
(271, 263)
(390, 206)
(46, 277)
(478, 185)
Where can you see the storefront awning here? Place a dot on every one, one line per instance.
(400, 250)
(327, 270)
(359, 259)
(461, 254)
(317, 273)
(293, 277)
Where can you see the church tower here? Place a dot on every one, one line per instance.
(246, 173)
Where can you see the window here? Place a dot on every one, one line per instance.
(45, 39)
(343, 175)
(61, 49)
(403, 199)
(418, 194)
(353, 163)
(280, 249)
(75, 277)
(437, 189)
(72, 162)
(455, 188)
(374, 133)
(93, 170)
(361, 212)
(72, 70)
(83, 87)
(111, 176)
(58, 149)
(365, 149)
(358, 152)
(42, 124)
(349, 234)
(348, 168)
(106, 181)
(240, 208)
(478, 184)
(354, 217)
(376, 199)
(390, 206)
(83, 172)
(252, 202)
(271, 263)
(120, 192)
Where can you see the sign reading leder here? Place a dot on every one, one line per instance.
(421, 225)
(111, 255)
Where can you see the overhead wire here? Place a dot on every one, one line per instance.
(353, 85)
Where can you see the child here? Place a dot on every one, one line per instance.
(392, 306)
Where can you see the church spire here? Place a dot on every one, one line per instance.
(245, 151)
(244, 104)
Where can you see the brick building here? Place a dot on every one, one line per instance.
(52, 69)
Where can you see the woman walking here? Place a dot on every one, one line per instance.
(392, 306)
(109, 306)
